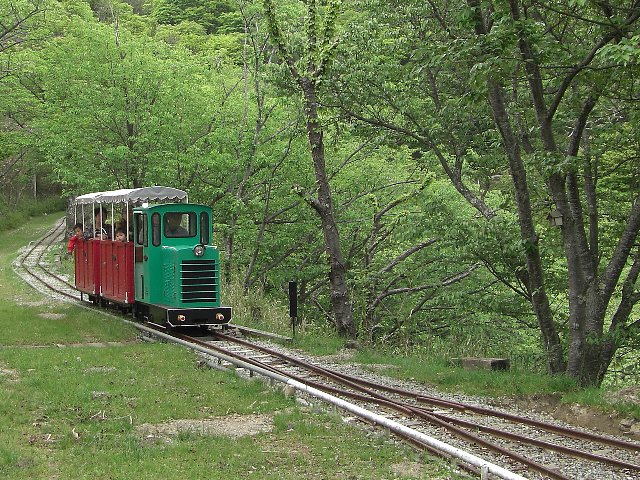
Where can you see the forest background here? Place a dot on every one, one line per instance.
(459, 173)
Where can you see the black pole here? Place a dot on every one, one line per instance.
(293, 305)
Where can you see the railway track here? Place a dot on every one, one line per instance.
(31, 266)
(522, 445)
(482, 426)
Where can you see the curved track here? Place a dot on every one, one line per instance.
(522, 444)
(490, 429)
(35, 271)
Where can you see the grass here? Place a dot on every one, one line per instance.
(49, 322)
(449, 378)
(13, 216)
(317, 344)
(102, 395)
(604, 401)
(75, 411)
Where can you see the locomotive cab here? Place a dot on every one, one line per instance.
(176, 267)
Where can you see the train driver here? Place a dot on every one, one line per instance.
(172, 225)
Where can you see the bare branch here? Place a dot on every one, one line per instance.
(406, 290)
(406, 254)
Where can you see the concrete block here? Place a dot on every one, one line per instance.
(474, 363)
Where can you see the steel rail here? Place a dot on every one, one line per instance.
(47, 270)
(467, 407)
(374, 397)
(353, 382)
(27, 269)
(537, 442)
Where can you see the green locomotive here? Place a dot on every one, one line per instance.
(176, 267)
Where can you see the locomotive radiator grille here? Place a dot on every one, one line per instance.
(199, 281)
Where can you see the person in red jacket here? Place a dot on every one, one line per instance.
(77, 234)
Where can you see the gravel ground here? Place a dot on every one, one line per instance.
(570, 467)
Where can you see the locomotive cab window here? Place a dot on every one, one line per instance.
(180, 225)
(141, 229)
(204, 228)
(155, 229)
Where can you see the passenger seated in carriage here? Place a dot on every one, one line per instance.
(102, 230)
(121, 235)
(126, 222)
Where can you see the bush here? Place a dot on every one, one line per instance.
(14, 216)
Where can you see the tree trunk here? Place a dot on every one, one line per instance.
(316, 63)
(540, 300)
(340, 301)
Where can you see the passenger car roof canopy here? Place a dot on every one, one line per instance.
(87, 198)
(145, 194)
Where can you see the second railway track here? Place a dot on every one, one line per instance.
(520, 443)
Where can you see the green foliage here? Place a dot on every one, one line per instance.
(623, 53)
(128, 106)
(191, 94)
(220, 48)
(14, 215)
(216, 17)
(311, 53)
(256, 310)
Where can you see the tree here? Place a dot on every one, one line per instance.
(121, 110)
(307, 72)
(18, 20)
(478, 87)
(20, 29)
(219, 16)
(590, 284)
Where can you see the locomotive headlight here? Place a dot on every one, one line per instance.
(198, 250)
